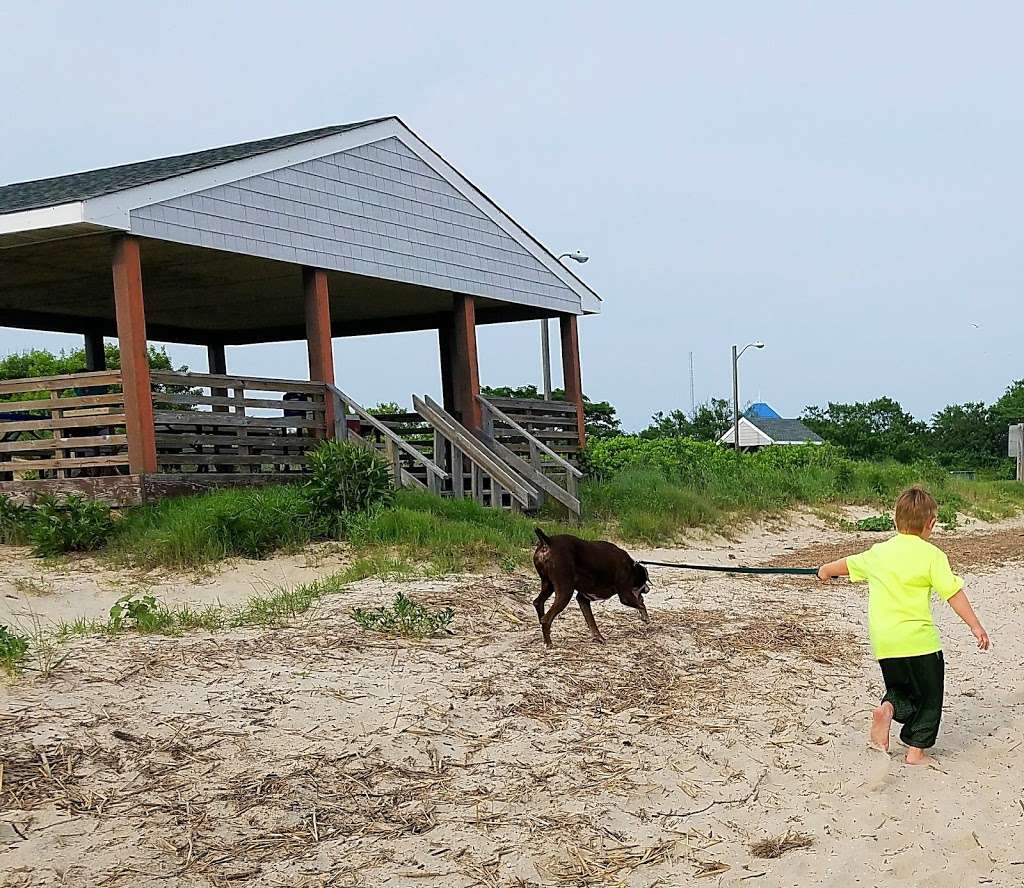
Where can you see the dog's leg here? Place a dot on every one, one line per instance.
(588, 615)
(562, 597)
(546, 588)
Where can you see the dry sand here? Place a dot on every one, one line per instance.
(322, 755)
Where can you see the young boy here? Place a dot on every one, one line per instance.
(901, 574)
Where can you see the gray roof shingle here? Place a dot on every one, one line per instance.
(784, 429)
(94, 183)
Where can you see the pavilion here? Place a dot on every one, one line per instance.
(341, 231)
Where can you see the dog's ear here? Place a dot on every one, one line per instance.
(640, 576)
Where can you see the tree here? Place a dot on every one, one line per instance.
(879, 429)
(599, 416)
(41, 362)
(967, 436)
(1009, 409)
(707, 422)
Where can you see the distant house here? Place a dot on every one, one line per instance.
(760, 431)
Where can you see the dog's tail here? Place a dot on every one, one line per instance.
(542, 537)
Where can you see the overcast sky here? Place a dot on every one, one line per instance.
(842, 181)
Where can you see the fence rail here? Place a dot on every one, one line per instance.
(212, 423)
(552, 422)
(540, 464)
(62, 427)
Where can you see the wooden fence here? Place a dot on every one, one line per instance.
(63, 427)
(211, 423)
(553, 422)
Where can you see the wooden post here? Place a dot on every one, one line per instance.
(217, 363)
(131, 337)
(465, 369)
(318, 335)
(95, 356)
(445, 347)
(571, 370)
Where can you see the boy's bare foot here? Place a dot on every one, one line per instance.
(881, 719)
(917, 756)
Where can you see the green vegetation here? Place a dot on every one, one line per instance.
(406, 618)
(13, 648)
(960, 436)
(876, 523)
(14, 519)
(650, 489)
(191, 532)
(71, 524)
(144, 613)
(347, 478)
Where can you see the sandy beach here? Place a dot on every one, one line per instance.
(689, 751)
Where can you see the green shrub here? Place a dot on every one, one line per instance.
(405, 617)
(347, 478)
(71, 524)
(14, 521)
(876, 523)
(13, 648)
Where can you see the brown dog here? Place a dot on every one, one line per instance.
(596, 570)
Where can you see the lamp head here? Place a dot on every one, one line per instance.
(576, 256)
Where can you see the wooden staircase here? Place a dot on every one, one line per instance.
(429, 449)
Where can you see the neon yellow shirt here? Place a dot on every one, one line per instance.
(901, 574)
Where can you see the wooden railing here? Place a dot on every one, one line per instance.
(549, 472)
(66, 426)
(209, 422)
(409, 466)
(490, 478)
(553, 422)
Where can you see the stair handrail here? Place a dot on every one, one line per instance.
(461, 437)
(399, 442)
(560, 461)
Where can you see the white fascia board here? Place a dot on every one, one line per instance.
(45, 217)
(114, 210)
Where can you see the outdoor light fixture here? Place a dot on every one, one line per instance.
(736, 389)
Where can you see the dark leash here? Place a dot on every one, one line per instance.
(725, 568)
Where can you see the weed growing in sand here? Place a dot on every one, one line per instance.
(13, 648)
(405, 617)
(876, 523)
(71, 524)
(45, 654)
(141, 613)
(31, 588)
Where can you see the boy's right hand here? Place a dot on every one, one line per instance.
(982, 636)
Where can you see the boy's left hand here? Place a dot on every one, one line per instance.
(982, 636)
(823, 575)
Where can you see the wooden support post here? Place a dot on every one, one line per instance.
(571, 371)
(445, 347)
(131, 337)
(217, 363)
(318, 335)
(95, 356)
(465, 369)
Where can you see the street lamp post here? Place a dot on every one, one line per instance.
(545, 342)
(736, 355)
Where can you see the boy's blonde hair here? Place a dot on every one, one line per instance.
(915, 508)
